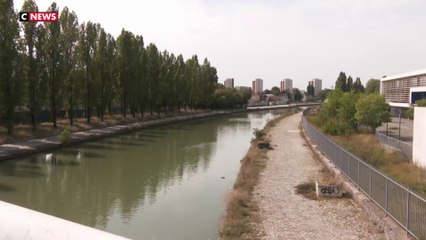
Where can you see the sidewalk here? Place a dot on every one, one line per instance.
(13, 150)
(393, 129)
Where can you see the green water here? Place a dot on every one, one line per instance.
(163, 183)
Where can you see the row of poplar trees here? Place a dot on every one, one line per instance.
(64, 65)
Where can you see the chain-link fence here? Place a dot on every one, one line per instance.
(404, 206)
(405, 148)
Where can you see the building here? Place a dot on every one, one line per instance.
(402, 90)
(229, 83)
(317, 83)
(257, 87)
(286, 84)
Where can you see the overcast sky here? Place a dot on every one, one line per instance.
(273, 40)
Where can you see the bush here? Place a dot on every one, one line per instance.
(337, 127)
(258, 134)
(65, 135)
(410, 113)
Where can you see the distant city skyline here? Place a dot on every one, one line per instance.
(273, 40)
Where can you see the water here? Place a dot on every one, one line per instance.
(162, 183)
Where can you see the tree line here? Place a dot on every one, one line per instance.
(351, 107)
(65, 65)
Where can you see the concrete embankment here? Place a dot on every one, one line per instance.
(23, 148)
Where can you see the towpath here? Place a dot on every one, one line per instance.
(287, 215)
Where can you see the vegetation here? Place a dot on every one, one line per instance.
(372, 111)
(241, 211)
(66, 66)
(307, 189)
(65, 135)
(345, 84)
(392, 163)
(230, 97)
(310, 90)
(372, 86)
(347, 110)
(410, 112)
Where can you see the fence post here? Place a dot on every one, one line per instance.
(358, 173)
(386, 195)
(370, 183)
(408, 211)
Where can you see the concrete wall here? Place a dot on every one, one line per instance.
(21, 223)
(419, 136)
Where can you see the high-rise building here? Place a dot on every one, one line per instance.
(317, 83)
(286, 85)
(257, 86)
(229, 83)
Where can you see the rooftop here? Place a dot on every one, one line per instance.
(403, 75)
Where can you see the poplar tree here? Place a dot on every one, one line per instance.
(30, 38)
(69, 38)
(341, 82)
(53, 55)
(9, 60)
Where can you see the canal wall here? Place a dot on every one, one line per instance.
(27, 147)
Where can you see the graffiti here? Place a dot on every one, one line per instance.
(328, 190)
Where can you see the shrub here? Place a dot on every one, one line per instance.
(258, 134)
(65, 135)
(410, 113)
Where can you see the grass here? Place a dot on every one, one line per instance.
(242, 218)
(307, 189)
(390, 162)
(24, 131)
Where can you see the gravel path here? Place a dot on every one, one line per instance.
(287, 215)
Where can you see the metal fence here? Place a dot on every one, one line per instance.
(404, 147)
(404, 206)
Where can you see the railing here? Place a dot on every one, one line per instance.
(406, 207)
(405, 148)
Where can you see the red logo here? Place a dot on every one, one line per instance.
(38, 16)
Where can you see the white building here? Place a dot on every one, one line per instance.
(402, 90)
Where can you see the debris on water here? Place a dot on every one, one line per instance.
(223, 177)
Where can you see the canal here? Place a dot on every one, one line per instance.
(167, 182)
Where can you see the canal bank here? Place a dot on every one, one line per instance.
(166, 182)
(274, 210)
(27, 147)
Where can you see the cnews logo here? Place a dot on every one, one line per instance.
(38, 16)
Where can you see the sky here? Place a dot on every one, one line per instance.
(271, 39)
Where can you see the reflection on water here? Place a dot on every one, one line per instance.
(160, 183)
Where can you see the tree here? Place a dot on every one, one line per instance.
(341, 82)
(372, 111)
(30, 38)
(357, 87)
(349, 84)
(298, 96)
(152, 75)
(9, 63)
(69, 37)
(53, 50)
(275, 91)
(372, 86)
(310, 90)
